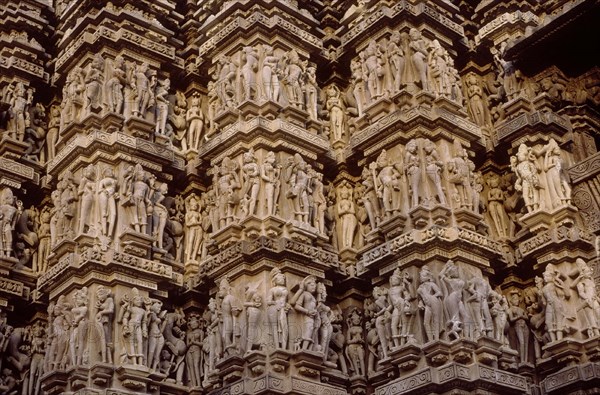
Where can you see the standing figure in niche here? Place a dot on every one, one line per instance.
(249, 69)
(160, 215)
(373, 348)
(431, 303)
(227, 184)
(477, 106)
(252, 304)
(355, 345)
(586, 290)
(347, 214)
(305, 303)
(194, 232)
(212, 108)
(293, 74)
(8, 221)
(478, 301)
(460, 174)
(382, 318)
(523, 164)
(41, 264)
(36, 367)
(459, 320)
(270, 74)
(299, 188)
(320, 203)
(558, 186)
(52, 135)
(507, 72)
(86, 192)
(517, 316)
(337, 113)
(142, 87)
(325, 325)
(105, 310)
(277, 309)
(193, 357)
(230, 311)
(419, 55)
(134, 322)
(107, 196)
(251, 176)
(226, 70)
(270, 173)
(358, 86)
(369, 198)
(79, 328)
(555, 294)
(68, 204)
(114, 86)
(499, 313)
(395, 55)
(156, 339)
(412, 167)
(439, 70)
(19, 105)
(312, 92)
(74, 103)
(162, 106)
(433, 168)
(140, 199)
(373, 65)
(496, 208)
(195, 120)
(397, 303)
(388, 187)
(93, 81)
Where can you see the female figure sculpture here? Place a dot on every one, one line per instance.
(195, 120)
(105, 310)
(114, 86)
(249, 69)
(107, 195)
(251, 176)
(87, 190)
(347, 214)
(555, 294)
(433, 168)
(355, 345)
(270, 74)
(277, 309)
(193, 356)
(459, 319)
(194, 232)
(93, 80)
(431, 303)
(527, 177)
(270, 173)
(419, 58)
(412, 166)
(305, 303)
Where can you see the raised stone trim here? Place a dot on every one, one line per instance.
(587, 168)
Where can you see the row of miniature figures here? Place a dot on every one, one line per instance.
(445, 302)
(99, 200)
(387, 65)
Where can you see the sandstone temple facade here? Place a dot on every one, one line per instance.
(318, 197)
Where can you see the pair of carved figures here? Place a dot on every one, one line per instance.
(261, 73)
(541, 177)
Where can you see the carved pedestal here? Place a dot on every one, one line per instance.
(135, 243)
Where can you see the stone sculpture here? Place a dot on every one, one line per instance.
(162, 106)
(142, 86)
(292, 77)
(270, 74)
(459, 319)
(107, 202)
(230, 310)
(195, 121)
(419, 53)
(359, 89)
(589, 305)
(277, 309)
(78, 345)
(134, 328)
(304, 302)
(347, 216)
(433, 168)
(8, 221)
(528, 183)
(355, 344)
(559, 189)
(480, 292)
(68, 205)
(311, 88)
(114, 85)
(337, 114)
(396, 57)
(52, 134)
(173, 334)
(251, 182)
(252, 303)
(19, 101)
(299, 188)
(388, 184)
(193, 229)
(94, 78)
(226, 185)
(249, 67)
(518, 318)
(460, 175)
(431, 303)
(382, 317)
(559, 318)
(155, 317)
(105, 311)
(193, 357)
(139, 200)
(87, 192)
(226, 72)
(412, 168)
(270, 173)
